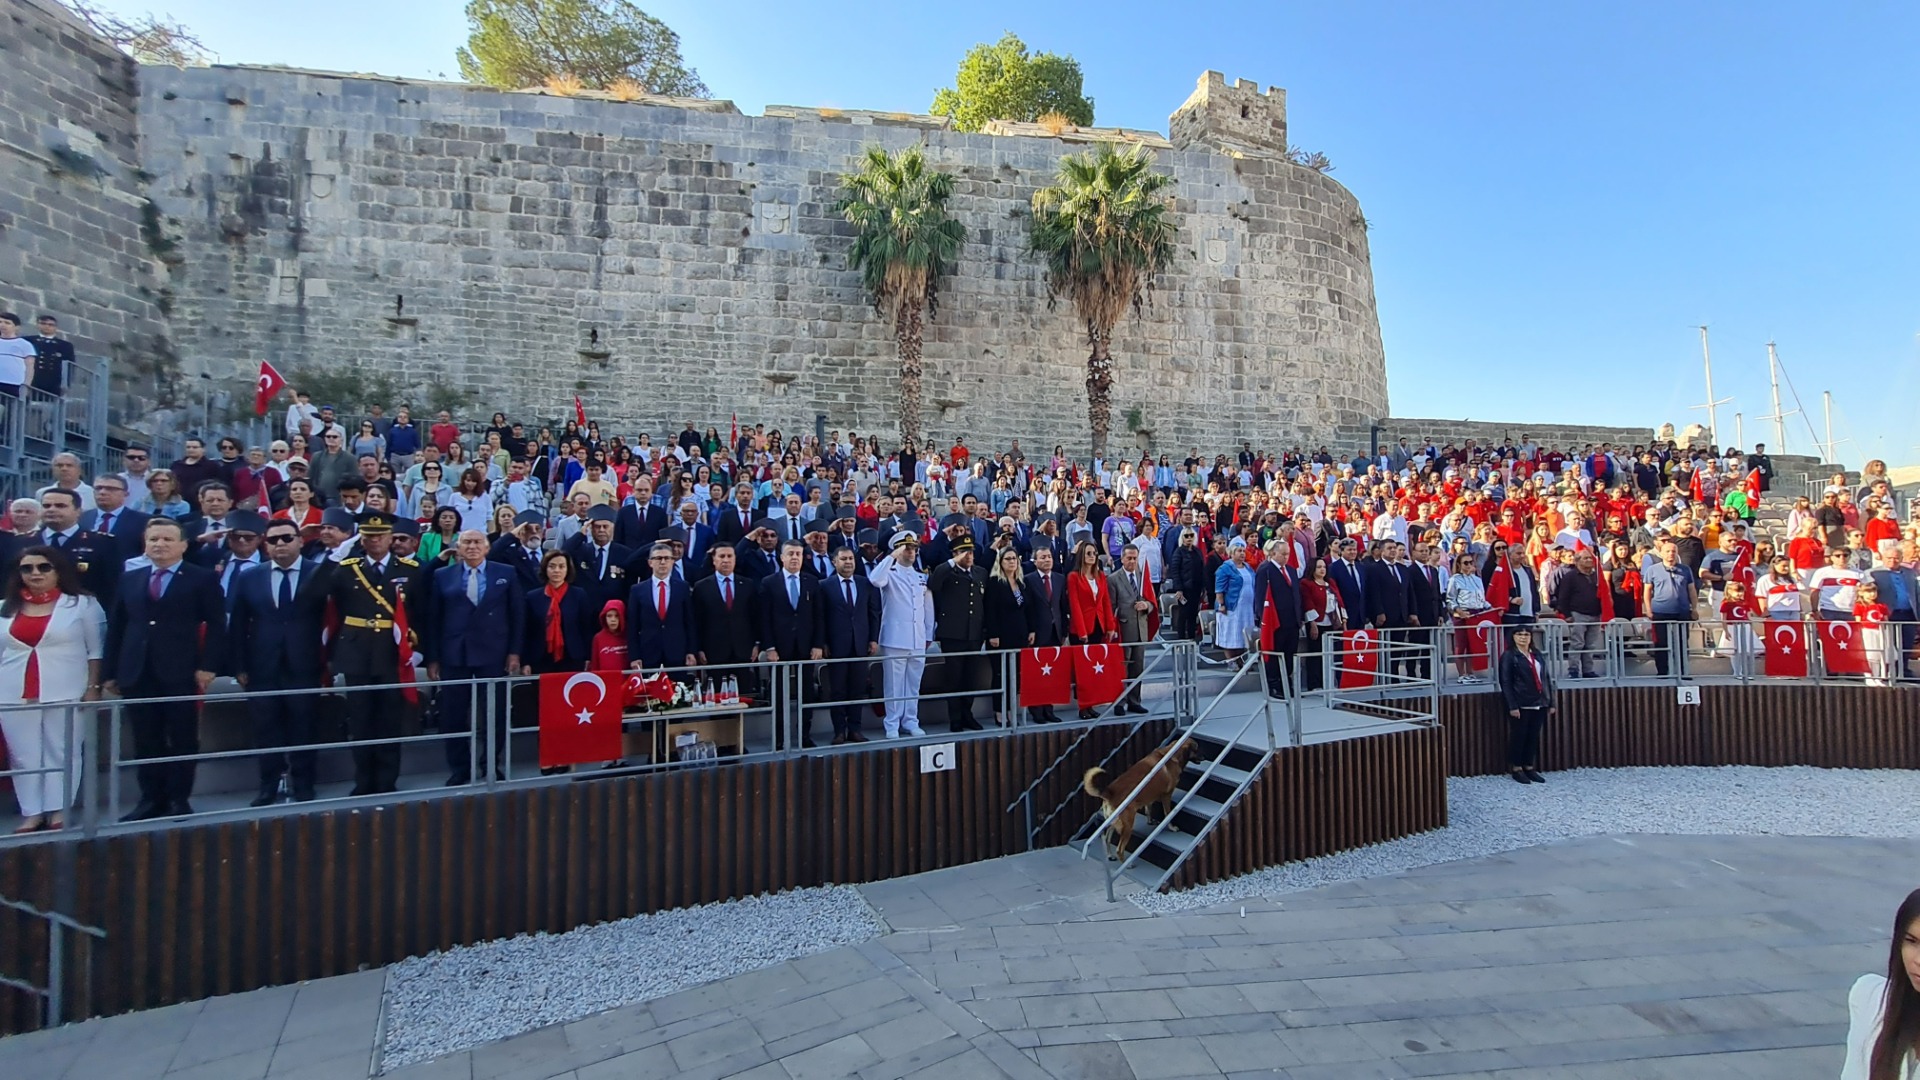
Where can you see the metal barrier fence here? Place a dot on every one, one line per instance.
(86, 763)
(1627, 652)
(36, 425)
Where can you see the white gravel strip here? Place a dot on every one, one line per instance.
(1492, 814)
(450, 1001)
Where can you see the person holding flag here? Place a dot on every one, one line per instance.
(1276, 591)
(1466, 600)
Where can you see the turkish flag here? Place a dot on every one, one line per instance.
(1842, 650)
(403, 640)
(1483, 631)
(579, 718)
(1099, 673)
(579, 410)
(1500, 585)
(270, 384)
(1359, 660)
(1046, 677)
(1147, 594)
(1786, 649)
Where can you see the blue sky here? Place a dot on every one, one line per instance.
(1553, 188)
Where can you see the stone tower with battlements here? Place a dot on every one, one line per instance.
(1237, 119)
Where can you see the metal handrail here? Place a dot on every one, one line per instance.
(54, 993)
(1252, 660)
(1075, 744)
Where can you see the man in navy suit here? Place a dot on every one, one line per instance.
(111, 516)
(639, 521)
(600, 566)
(734, 521)
(277, 611)
(1343, 569)
(792, 626)
(165, 638)
(520, 550)
(1389, 588)
(852, 631)
(1048, 615)
(660, 639)
(1276, 589)
(757, 553)
(699, 540)
(475, 617)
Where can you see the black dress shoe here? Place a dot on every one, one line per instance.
(179, 808)
(1533, 777)
(840, 740)
(145, 810)
(1136, 708)
(302, 793)
(1087, 714)
(266, 798)
(1520, 778)
(806, 742)
(854, 736)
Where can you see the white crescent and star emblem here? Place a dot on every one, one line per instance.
(585, 715)
(1838, 638)
(1787, 637)
(265, 382)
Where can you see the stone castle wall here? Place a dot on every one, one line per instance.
(684, 262)
(71, 193)
(1494, 433)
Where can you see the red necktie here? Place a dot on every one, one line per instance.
(726, 592)
(1534, 666)
(660, 605)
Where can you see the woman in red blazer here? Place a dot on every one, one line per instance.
(1090, 617)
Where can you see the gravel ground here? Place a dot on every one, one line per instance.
(1492, 814)
(449, 1001)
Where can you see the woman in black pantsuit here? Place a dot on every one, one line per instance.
(1527, 685)
(1009, 619)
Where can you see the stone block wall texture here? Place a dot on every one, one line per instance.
(1493, 432)
(71, 194)
(502, 241)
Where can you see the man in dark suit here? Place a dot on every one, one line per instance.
(1277, 590)
(639, 522)
(601, 567)
(1343, 569)
(725, 616)
(1389, 606)
(845, 530)
(757, 553)
(1428, 604)
(818, 564)
(95, 556)
(111, 517)
(791, 627)
(474, 616)
(852, 635)
(520, 550)
(166, 638)
(732, 522)
(959, 590)
(661, 639)
(241, 552)
(207, 530)
(1048, 615)
(698, 539)
(277, 613)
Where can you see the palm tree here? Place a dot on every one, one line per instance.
(1105, 228)
(905, 240)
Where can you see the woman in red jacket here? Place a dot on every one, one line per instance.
(1090, 617)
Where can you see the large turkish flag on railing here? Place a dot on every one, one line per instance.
(579, 717)
(1786, 648)
(1842, 650)
(1046, 677)
(1359, 659)
(1483, 631)
(1099, 674)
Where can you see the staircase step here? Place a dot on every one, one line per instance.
(1167, 846)
(1207, 748)
(1218, 787)
(1192, 813)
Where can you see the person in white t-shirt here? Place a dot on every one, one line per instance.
(1832, 587)
(16, 355)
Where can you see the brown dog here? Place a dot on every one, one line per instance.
(1100, 784)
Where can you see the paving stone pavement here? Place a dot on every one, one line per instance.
(1608, 958)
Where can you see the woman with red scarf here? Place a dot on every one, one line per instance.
(559, 623)
(52, 636)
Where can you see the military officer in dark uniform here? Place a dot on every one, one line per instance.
(94, 554)
(959, 591)
(368, 590)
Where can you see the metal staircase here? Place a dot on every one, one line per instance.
(54, 994)
(1219, 769)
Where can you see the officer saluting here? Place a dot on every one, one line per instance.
(368, 590)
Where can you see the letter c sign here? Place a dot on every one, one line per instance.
(937, 758)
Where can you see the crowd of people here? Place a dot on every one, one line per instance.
(354, 548)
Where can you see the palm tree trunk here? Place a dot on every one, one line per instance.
(1100, 389)
(906, 336)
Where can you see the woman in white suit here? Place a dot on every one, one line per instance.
(52, 635)
(1883, 1032)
